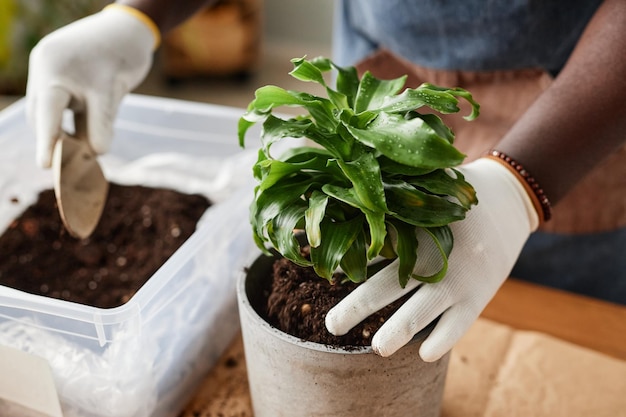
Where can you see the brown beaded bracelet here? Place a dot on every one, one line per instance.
(536, 193)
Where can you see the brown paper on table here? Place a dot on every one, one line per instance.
(497, 371)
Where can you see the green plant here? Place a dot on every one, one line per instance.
(381, 171)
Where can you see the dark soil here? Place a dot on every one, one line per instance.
(139, 230)
(299, 300)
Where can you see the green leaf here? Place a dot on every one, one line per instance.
(257, 168)
(324, 64)
(275, 129)
(322, 110)
(458, 92)
(437, 98)
(268, 98)
(345, 195)
(388, 250)
(418, 208)
(272, 171)
(467, 96)
(372, 92)
(313, 71)
(313, 217)
(360, 121)
(337, 237)
(281, 232)
(306, 71)
(270, 202)
(443, 239)
(388, 166)
(375, 220)
(338, 99)
(354, 262)
(347, 83)
(412, 99)
(364, 173)
(378, 233)
(242, 127)
(408, 142)
(406, 248)
(454, 185)
(335, 143)
(301, 159)
(436, 124)
(443, 235)
(304, 153)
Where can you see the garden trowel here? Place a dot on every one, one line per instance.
(79, 184)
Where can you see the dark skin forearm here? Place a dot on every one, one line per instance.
(581, 118)
(167, 14)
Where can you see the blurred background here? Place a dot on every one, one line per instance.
(220, 55)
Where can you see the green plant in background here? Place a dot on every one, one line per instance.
(381, 171)
(23, 23)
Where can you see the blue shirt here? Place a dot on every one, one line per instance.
(463, 35)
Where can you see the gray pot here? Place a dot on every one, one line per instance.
(292, 378)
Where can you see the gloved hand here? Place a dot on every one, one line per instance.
(487, 243)
(87, 66)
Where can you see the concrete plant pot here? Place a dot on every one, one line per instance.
(289, 377)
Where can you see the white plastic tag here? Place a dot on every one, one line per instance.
(26, 386)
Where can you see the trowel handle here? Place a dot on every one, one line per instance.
(80, 126)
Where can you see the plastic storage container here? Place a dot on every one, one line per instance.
(146, 357)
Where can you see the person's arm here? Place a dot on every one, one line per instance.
(167, 14)
(580, 119)
(575, 124)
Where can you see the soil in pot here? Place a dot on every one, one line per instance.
(298, 300)
(141, 227)
(288, 378)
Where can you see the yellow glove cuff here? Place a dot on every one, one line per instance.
(142, 17)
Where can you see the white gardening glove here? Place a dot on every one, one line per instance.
(87, 66)
(487, 243)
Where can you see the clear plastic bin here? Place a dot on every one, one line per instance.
(146, 357)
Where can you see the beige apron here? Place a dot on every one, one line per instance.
(596, 204)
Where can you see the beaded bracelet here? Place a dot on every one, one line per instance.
(536, 193)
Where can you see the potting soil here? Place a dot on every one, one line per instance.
(299, 300)
(140, 229)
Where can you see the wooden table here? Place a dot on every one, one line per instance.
(584, 321)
